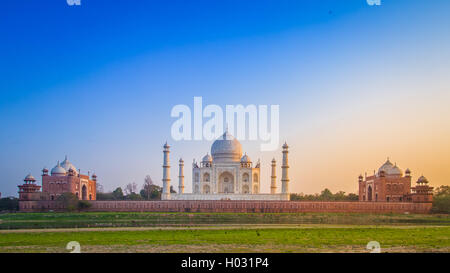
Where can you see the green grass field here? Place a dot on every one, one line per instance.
(223, 232)
(146, 219)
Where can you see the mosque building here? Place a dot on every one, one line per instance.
(63, 178)
(389, 184)
(225, 174)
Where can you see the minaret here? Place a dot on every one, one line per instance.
(273, 178)
(166, 174)
(284, 168)
(181, 177)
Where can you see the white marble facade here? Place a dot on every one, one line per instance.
(226, 174)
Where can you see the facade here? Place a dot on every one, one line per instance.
(63, 178)
(226, 174)
(390, 185)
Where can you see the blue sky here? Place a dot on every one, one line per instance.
(97, 82)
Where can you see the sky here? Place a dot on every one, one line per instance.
(355, 84)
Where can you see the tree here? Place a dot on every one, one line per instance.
(441, 200)
(118, 194)
(105, 196)
(326, 195)
(134, 197)
(147, 187)
(352, 197)
(130, 188)
(99, 187)
(442, 190)
(69, 200)
(9, 204)
(83, 205)
(172, 190)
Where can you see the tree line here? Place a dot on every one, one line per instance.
(325, 195)
(148, 191)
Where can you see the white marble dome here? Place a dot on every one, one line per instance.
(207, 158)
(29, 177)
(226, 148)
(390, 169)
(386, 167)
(67, 165)
(395, 171)
(58, 170)
(246, 159)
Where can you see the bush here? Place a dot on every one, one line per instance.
(69, 200)
(9, 204)
(105, 196)
(83, 205)
(441, 200)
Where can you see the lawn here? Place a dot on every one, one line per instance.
(223, 232)
(145, 219)
(299, 239)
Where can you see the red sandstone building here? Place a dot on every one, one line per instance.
(389, 191)
(390, 185)
(63, 178)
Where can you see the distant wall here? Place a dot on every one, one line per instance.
(235, 206)
(240, 197)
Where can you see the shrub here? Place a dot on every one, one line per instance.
(9, 204)
(69, 200)
(441, 200)
(83, 205)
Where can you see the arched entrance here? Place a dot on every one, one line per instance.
(206, 189)
(84, 192)
(226, 183)
(369, 193)
(245, 189)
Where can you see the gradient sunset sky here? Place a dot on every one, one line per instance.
(355, 84)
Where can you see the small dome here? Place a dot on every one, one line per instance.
(207, 158)
(422, 179)
(273, 160)
(408, 171)
(58, 170)
(395, 171)
(29, 177)
(246, 159)
(285, 146)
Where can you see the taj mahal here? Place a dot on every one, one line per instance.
(226, 174)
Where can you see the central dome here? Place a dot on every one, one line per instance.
(67, 165)
(386, 167)
(390, 169)
(226, 148)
